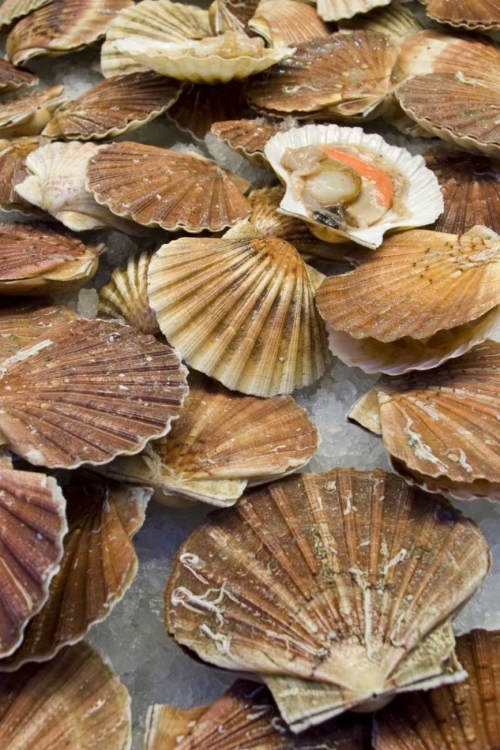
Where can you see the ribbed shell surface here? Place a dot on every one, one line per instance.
(125, 296)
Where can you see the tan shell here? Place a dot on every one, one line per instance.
(117, 106)
(394, 19)
(333, 579)
(60, 27)
(13, 155)
(241, 311)
(246, 717)
(168, 189)
(336, 10)
(284, 23)
(33, 524)
(286, 88)
(98, 566)
(37, 259)
(125, 296)
(481, 15)
(28, 114)
(222, 442)
(199, 107)
(56, 182)
(457, 716)
(158, 20)
(111, 389)
(10, 10)
(248, 137)
(21, 323)
(12, 78)
(73, 702)
(432, 52)
(231, 15)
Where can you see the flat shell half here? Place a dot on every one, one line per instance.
(231, 15)
(199, 107)
(28, 114)
(284, 23)
(480, 15)
(336, 10)
(248, 137)
(394, 19)
(12, 78)
(13, 154)
(24, 321)
(10, 10)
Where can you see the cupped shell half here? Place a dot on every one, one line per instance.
(464, 715)
(241, 311)
(110, 390)
(157, 187)
(28, 114)
(336, 10)
(394, 19)
(284, 23)
(37, 259)
(73, 702)
(480, 15)
(98, 566)
(33, 525)
(12, 78)
(24, 321)
(125, 296)
(416, 198)
(10, 10)
(333, 582)
(113, 107)
(13, 154)
(231, 15)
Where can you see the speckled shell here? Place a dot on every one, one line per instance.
(480, 15)
(335, 10)
(113, 107)
(241, 311)
(330, 579)
(28, 114)
(465, 715)
(12, 78)
(394, 19)
(60, 27)
(199, 107)
(168, 189)
(10, 10)
(111, 389)
(13, 155)
(158, 20)
(98, 566)
(423, 199)
(125, 296)
(33, 524)
(73, 702)
(248, 137)
(22, 322)
(231, 15)
(284, 23)
(37, 259)
(351, 73)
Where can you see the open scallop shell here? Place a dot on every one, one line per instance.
(73, 702)
(154, 20)
(60, 27)
(334, 579)
(98, 566)
(284, 23)
(37, 259)
(111, 389)
(463, 715)
(28, 114)
(336, 10)
(423, 201)
(231, 15)
(113, 107)
(22, 322)
(222, 442)
(199, 107)
(480, 15)
(12, 78)
(125, 296)
(241, 311)
(10, 10)
(13, 155)
(394, 19)
(168, 189)
(33, 524)
(248, 137)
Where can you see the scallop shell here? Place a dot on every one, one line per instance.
(37, 259)
(432, 52)
(199, 107)
(423, 200)
(111, 389)
(394, 19)
(248, 137)
(168, 189)
(336, 10)
(241, 311)
(98, 566)
(10, 10)
(60, 27)
(22, 322)
(366, 412)
(28, 114)
(117, 106)
(333, 579)
(463, 715)
(231, 15)
(284, 23)
(156, 20)
(73, 702)
(12, 78)
(56, 183)
(221, 443)
(13, 155)
(481, 15)
(286, 88)
(33, 524)
(125, 296)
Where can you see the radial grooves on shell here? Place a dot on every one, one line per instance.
(199, 106)
(266, 218)
(13, 78)
(285, 23)
(125, 296)
(335, 10)
(481, 15)
(248, 136)
(13, 155)
(23, 322)
(20, 109)
(12, 9)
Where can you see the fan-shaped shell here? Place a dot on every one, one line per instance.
(61, 26)
(33, 524)
(284, 23)
(248, 137)
(475, 58)
(28, 114)
(463, 715)
(158, 20)
(125, 296)
(111, 389)
(22, 322)
(241, 311)
(13, 155)
(36, 259)
(335, 10)
(168, 189)
(12, 78)
(113, 107)
(231, 15)
(483, 15)
(332, 578)
(98, 566)
(73, 702)
(10, 10)
(199, 107)
(394, 19)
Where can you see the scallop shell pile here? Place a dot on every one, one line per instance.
(287, 236)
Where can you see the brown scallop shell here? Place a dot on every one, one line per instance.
(111, 389)
(248, 137)
(28, 114)
(10, 10)
(456, 716)
(125, 296)
(199, 107)
(113, 107)
(285, 23)
(60, 27)
(480, 15)
(22, 322)
(37, 259)
(12, 78)
(98, 566)
(231, 15)
(335, 10)
(286, 87)
(33, 524)
(333, 579)
(168, 189)
(433, 52)
(394, 19)
(73, 702)
(13, 155)
(241, 311)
